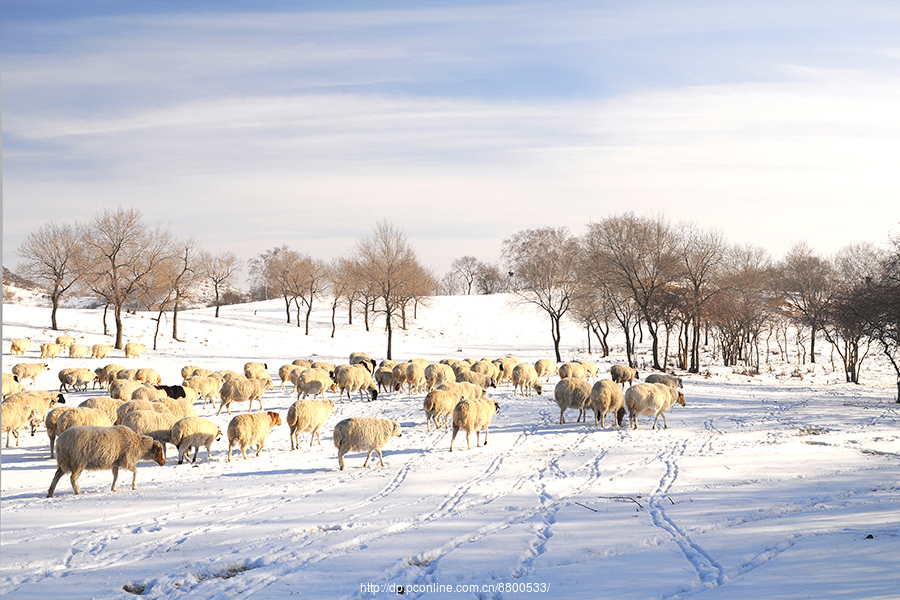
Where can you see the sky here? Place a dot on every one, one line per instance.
(252, 125)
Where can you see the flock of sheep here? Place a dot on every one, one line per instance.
(140, 416)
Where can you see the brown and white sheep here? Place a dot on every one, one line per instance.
(571, 393)
(525, 379)
(606, 397)
(623, 374)
(193, 432)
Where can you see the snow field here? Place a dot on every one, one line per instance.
(762, 487)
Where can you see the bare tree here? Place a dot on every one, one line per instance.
(306, 279)
(466, 268)
(844, 328)
(52, 256)
(220, 270)
(386, 264)
(120, 252)
(806, 281)
(490, 279)
(701, 254)
(639, 256)
(544, 262)
(339, 280)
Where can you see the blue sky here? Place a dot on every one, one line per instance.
(252, 125)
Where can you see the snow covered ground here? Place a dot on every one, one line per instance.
(784, 485)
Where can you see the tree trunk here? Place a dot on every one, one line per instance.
(554, 332)
(287, 308)
(308, 313)
(105, 328)
(333, 317)
(812, 344)
(390, 334)
(217, 299)
(117, 312)
(54, 298)
(175, 321)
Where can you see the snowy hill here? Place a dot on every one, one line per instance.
(782, 485)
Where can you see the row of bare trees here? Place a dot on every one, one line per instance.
(686, 288)
(123, 263)
(382, 276)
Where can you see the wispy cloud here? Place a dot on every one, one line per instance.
(461, 125)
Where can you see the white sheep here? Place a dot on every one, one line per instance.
(15, 416)
(571, 393)
(623, 374)
(100, 350)
(302, 362)
(255, 372)
(122, 389)
(356, 379)
(65, 341)
(251, 430)
(486, 367)
(285, 373)
(78, 379)
(384, 377)
(506, 365)
(11, 385)
(148, 376)
(398, 372)
(79, 351)
(243, 390)
(324, 365)
(41, 401)
(415, 377)
(545, 367)
(439, 405)
(572, 370)
(466, 390)
(361, 358)
(107, 374)
(313, 382)
(255, 365)
(606, 397)
(19, 346)
(133, 405)
(363, 434)
(193, 432)
(134, 350)
(308, 416)
(526, 379)
(473, 415)
(75, 417)
(50, 425)
(187, 371)
(105, 404)
(50, 350)
(590, 369)
(651, 399)
(479, 379)
(149, 422)
(98, 448)
(208, 387)
(148, 392)
(436, 374)
(663, 378)
(180, 407)
(28, 371)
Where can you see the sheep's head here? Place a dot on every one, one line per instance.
(218, 433)
(496, 407)
(275, 417)
(680, 399)
(395, 430)
(157, 454)
(537, 388)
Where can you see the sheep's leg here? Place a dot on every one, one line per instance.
(259, 447)
(56, 478)
(134, 479)
(665, 425)
(468, 443)
(221, 406)
(455, 431)
(74, 479)
(485, 435)
(380, 457)
(115, 472)
(341, 458)
(562, 417)
(229, 452)
(602, 415)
